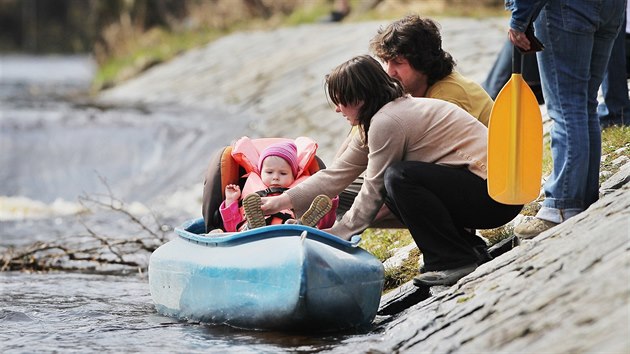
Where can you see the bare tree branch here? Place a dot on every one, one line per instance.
(60, 254)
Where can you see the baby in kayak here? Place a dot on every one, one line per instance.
(277, 171)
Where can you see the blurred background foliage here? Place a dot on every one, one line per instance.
(126, 37)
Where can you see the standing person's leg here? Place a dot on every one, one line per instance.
(500, 72)
(615, 109)
(602, 49)
(348, 195)
(436, 202)
(532, 76)
(569, 70)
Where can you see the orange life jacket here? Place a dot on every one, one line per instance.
(246, 152)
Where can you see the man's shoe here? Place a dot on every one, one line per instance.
(253, 212)
(532, 227)
(320, 206)
(443, 277)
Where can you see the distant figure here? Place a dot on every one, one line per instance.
(341, 9)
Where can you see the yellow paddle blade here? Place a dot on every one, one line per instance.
(515, 144)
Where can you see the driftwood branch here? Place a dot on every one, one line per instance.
(116, 204)
(92, 250)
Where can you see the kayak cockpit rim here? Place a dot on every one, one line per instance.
(193, 231)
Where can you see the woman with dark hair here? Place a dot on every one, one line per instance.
(424, 158)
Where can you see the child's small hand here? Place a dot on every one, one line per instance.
(232, 194)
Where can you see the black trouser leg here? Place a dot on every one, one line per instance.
(437, 203)
(347, 196)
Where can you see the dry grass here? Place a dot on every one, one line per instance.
(615, 148)
(382, 243)
(395, 277)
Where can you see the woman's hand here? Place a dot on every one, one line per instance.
(271, 205)
(519, 39)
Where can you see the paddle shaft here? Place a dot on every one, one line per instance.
(516, 60)
(515, 117)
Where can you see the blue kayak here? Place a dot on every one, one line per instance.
(287, 277)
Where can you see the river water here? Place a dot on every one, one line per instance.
(56, 146)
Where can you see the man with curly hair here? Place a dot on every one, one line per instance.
(411, 49)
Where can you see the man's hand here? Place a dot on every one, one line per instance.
(519, 39)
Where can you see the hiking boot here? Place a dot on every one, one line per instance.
(532, 227)
(253, 213)
(443, 277)
(320, 206)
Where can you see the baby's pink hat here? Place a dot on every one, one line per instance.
(286, 150)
